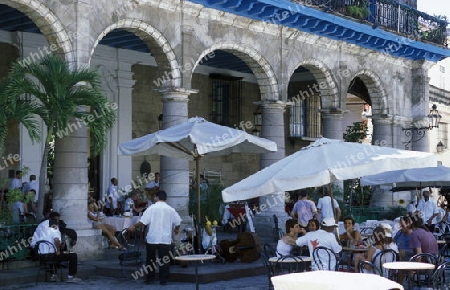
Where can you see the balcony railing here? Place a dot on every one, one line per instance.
(388, 14)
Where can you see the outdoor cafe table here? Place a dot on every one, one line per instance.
(330, 280)
(355, 249)
(290, 260)
(195, 258)
(120, 223)
(408, 266)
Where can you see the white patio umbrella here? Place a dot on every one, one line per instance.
(195, 139)
(411, 178)
(323, 162)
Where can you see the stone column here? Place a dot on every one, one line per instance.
(70, 190)
(382, 130)
(175, 171)
(273, 128)
(420, 99)
(332, 123)
(70, 184)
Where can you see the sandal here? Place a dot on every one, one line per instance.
(122, 248)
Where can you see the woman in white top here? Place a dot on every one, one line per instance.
(287, 242)
(107, 230)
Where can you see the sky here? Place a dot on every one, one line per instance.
(435, 7)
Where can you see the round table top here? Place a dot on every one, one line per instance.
(349, 249)
(330, 280)
(441, 242)
(290, 259)
(196, 257)
(408, 266)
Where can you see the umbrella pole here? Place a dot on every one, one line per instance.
(199, 220)
(334, 211)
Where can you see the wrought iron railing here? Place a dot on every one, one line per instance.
(388, 14)
(15, 241)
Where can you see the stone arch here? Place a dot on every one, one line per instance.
(376, 90)
(158, 44)
(49, 25)
(255, 61)
(328, 88)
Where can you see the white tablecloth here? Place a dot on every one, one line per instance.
(328, 280)
(120, 223)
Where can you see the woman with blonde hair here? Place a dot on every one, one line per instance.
(107, 230)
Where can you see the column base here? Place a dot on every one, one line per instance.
(89, 244)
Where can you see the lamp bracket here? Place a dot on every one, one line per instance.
(414, 134)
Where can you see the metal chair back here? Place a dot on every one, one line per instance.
(325, 259)
(46, 254)
(384, 256)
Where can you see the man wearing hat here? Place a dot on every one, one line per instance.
(48, 230)
(429, 210)
(324, 237)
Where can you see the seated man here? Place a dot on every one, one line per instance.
(323, 237)
(287, 243)
(48, 230)
(130, 205)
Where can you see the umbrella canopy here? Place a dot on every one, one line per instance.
(195, 139)
(325, 161)
(411, 178)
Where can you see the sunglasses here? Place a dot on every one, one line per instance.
(54, 227)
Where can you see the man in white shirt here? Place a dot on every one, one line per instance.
(112, 196)
(324, 238)
(429, 210)
(48, 230)
(130, 206)
(16, 182)
(32, 184)
(162, 220)
(154, 183)
(324, 207)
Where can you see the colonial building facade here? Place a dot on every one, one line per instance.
(292, 71)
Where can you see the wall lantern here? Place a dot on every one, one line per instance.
(417, 131)
(440, 147)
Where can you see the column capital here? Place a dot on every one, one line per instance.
(383, 119)
(273, 104)
(333, 112)
(401, 121)
(172, 94)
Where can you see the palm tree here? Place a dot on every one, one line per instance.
(15, 108)
(63, 95)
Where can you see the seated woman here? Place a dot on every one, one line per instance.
(376, 247)
(287, 243)
(382, 240)
(351, 236)
(107, 230)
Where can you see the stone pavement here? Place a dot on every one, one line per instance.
(106, 273)
(105, 283)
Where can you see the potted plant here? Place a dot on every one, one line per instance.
(359, 9)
